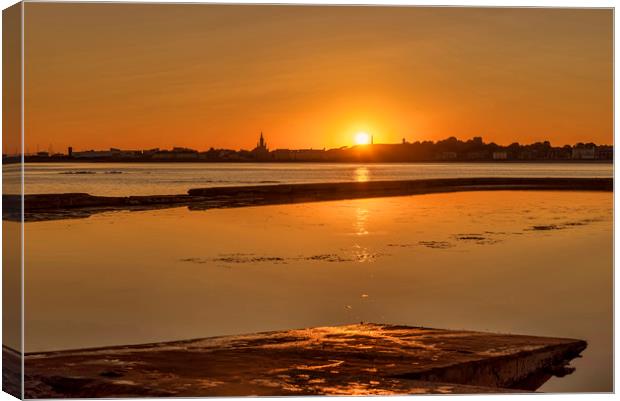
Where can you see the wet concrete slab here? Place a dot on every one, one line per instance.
(361, 359)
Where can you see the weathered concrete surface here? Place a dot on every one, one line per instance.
(356, 359)
(76, 205)
(11, 372)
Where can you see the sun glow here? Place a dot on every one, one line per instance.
(362, 138)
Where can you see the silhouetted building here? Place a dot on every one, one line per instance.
(446, 156)
(604, 152)
(500, 155)
(261, 151)
(93, 154)
(150, 152)
(309, 154)
(283, 154)
(176, 153)
(584, 153)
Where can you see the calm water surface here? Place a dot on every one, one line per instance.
(123, 179)
(535, 263)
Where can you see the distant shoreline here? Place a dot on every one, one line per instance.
(198, 161)
(75, 205)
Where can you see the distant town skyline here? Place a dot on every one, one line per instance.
(140, 76)
(367, 140)
(366, 150)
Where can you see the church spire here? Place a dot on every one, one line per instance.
(262, 144)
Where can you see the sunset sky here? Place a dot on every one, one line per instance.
(140, 76)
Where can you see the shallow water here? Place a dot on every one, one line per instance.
(517, 262)
(124, 179)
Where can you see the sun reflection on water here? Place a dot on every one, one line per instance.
(361, 174)
(362, 254)
(361, 220)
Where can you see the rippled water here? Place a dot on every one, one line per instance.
(517, 262)
(122, 179)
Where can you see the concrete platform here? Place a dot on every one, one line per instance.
(362, 359)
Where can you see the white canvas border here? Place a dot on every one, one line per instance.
(477, 3)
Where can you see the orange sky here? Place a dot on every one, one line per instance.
(142, 76)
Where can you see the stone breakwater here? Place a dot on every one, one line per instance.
(73, 205)
(361, 359)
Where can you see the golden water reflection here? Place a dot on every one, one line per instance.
(361, 220)
(361, 174)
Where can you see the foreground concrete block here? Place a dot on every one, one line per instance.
(359, 359)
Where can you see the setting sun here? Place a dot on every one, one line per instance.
(362, 138)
